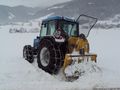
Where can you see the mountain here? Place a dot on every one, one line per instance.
(17, 13)
(102, 9)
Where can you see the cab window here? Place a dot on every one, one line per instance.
(51, 27)
(74, 30)
(69, 28)
(43, 31)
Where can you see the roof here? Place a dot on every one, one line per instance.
(59, 18)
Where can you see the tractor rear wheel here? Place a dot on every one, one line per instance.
(49, 57)
(28, 53)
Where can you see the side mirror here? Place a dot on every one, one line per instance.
(37, 37)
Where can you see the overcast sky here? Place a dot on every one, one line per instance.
(32, 3)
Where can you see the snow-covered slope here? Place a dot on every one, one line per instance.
(101, 9)
(18, 74)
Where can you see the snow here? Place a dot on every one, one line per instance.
(55, 7)
(83, 68)
(25, 27)
(18, 74)
(44, 17)
(11, 16)
(90, 3)
(106, 45)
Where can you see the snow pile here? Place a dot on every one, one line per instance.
(80, 69)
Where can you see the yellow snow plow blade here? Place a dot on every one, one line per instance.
(69, 58)
(78, 53)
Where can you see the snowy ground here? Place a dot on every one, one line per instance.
(18, 74)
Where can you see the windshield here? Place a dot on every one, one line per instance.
(69, 27)
(86, 23)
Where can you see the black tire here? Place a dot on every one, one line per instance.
(52, 63)
(28, 53)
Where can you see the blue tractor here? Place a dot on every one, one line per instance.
(58, 37)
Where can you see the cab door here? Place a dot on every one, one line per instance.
(86, 23)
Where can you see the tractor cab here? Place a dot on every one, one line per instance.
(59, 27)
(62, 27)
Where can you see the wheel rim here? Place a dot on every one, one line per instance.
(44, 56)
(25, 53)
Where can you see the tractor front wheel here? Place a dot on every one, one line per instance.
(28, 53)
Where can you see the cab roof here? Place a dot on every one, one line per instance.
(58, 18)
